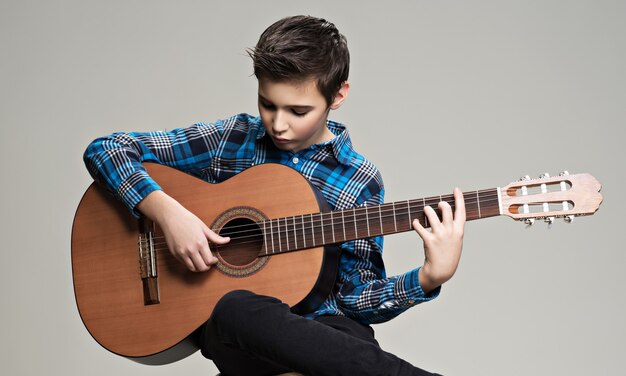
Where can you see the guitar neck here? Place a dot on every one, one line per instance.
(317, 229)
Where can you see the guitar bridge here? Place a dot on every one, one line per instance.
(148, 262)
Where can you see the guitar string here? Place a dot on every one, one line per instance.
(411, 207)
(319, 217)
(359, 217)
(317, 223)
(386, 208)
(490, 197)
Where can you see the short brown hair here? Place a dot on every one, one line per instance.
(299, 48)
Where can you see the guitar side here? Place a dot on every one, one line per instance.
(106, 262)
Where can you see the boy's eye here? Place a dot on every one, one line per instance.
(299, 113)
(267, 105)
(271, 107)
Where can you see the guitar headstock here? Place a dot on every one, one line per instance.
(564, 196)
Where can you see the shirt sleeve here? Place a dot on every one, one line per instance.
(366, 294)
(115, 160)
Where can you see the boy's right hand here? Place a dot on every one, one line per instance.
(186, 235)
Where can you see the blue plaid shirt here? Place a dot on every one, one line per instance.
(215, 152)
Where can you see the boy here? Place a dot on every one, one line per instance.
(301, 64)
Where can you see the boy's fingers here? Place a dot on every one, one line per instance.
(188, 263)
(446, 212)
(212, 237)
(417, 226)
(432, 217)
(207, 256)
(459, 211)
(199, 262)
(215, 238)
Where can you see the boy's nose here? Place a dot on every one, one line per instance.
(280, 123)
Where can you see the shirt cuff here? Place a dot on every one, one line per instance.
(135, 188)
(409, 291)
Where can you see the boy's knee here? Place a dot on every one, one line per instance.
(234, 299)
(226, 318)
(243, 307)
(233, 303)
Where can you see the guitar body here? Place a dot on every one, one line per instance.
(106, 258)
(138, 301)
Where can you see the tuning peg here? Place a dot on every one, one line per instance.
(549, 220)
(544, 175)
(529, 221)
(564, 173)
(525, 177)
(568, 218)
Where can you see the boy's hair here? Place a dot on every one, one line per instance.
(299, 48)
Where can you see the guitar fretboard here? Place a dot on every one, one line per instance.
(317, 229)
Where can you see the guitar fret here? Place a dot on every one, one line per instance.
(303, 234)
(295, 234)
(395, 225)
(343, 225)
(424, 207)
(265, 236)
(367, 220)
(408, 214)
(356, 231)
(401, 216)
(332, 226)
(322, 226)
(287, 234)
(284, 244)
(312, 230)
(272, 233)
(280, 246)
(478, 204)
(380, 220)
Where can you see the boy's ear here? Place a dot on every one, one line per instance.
(341, 96)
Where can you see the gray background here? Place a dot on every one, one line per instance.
(444, 93)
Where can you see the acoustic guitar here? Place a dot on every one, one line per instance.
(138, 301)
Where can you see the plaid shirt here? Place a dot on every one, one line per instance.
(215, 152)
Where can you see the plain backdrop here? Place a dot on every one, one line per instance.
(444, 93)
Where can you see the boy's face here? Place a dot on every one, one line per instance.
(295, 114)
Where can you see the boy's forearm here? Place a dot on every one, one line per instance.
(427, 282)
(156, 204)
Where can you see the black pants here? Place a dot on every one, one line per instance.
(251, 334)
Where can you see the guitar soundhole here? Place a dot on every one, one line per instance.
(240, 257)
(246, 241)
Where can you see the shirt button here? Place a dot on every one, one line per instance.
(295, 160)
(411, 302)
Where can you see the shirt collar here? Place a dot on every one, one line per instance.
(341, 145)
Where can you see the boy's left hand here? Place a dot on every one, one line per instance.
(443, 243)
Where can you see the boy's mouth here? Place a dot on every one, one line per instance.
(279, 140)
